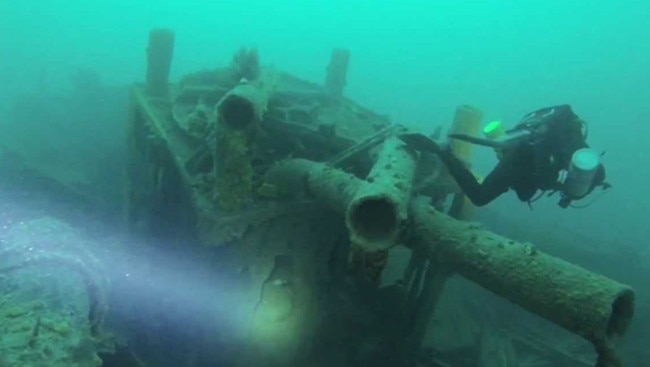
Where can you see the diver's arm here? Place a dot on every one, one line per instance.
(495, 184)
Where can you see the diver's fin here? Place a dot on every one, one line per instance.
(420, 142)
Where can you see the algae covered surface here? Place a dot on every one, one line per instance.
(46, 300)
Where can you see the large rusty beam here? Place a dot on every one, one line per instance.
(297, 177)
(54, 297)
(375, 209)
(246, 103)
(239, 114)
(378, 212)
(590, 305)
(585, 303)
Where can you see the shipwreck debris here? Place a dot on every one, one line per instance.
(282, 168)
(159, 60)
(55, 297)
(590, 305)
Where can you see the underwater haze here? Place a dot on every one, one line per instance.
(415, 61)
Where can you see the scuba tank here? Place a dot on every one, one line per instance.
(577, 180)
(551, 132)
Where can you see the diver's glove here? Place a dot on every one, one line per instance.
(423, 143)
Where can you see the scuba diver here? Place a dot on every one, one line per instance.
(546, 150)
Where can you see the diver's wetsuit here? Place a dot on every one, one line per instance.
(514, 171)
(528, 167)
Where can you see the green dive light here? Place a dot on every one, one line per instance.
(494, 130)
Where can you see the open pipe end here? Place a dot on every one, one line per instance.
(622, 313)
(373, 222)
(236, 112)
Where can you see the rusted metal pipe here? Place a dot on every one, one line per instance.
(588, 304)
(377, 214)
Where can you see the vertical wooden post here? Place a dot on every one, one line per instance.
(159, 60)
(467, 120)
(337, 70)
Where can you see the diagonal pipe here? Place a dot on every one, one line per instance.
(590, 305)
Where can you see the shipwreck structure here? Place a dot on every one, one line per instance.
(54, 297)
(309, 188)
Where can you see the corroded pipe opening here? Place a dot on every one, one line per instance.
(377, 214)
(622, 313)
(236, 112)
(373, 221)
